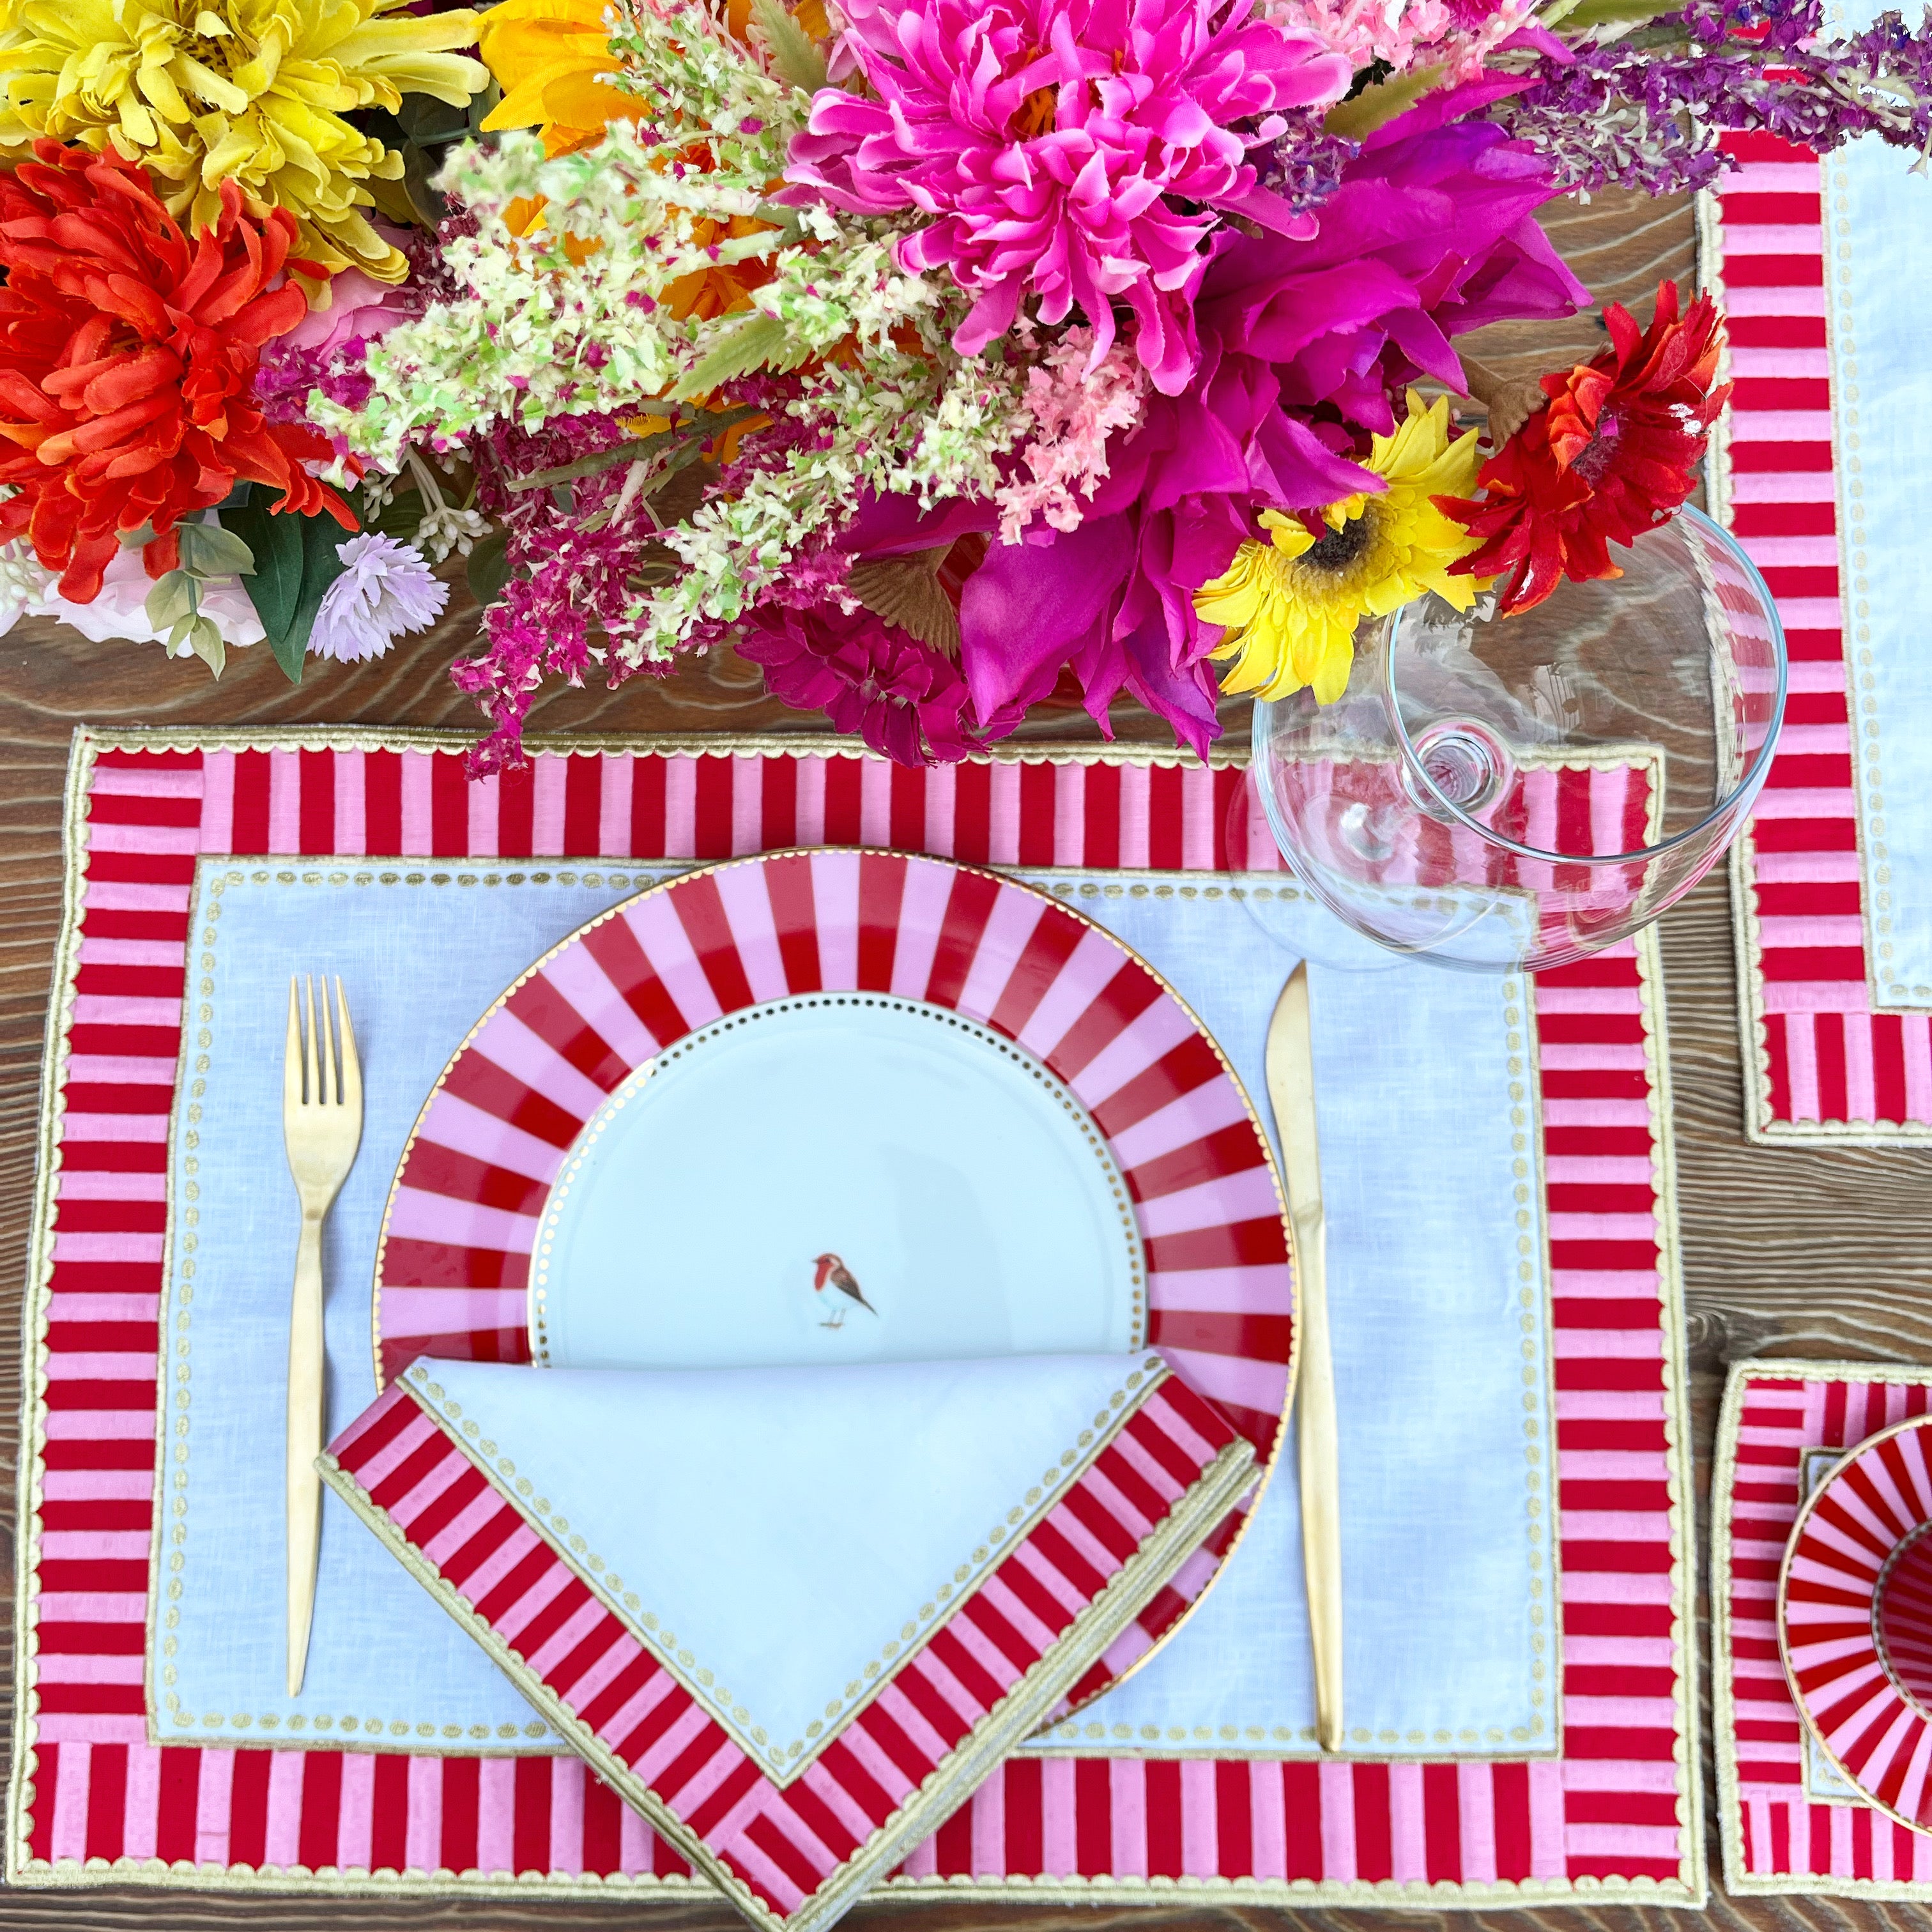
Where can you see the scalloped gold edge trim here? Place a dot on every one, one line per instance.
(1739, 1880)
(1194, 1513)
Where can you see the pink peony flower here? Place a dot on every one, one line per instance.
(1080, 151)
(327, 349)
(360, 309)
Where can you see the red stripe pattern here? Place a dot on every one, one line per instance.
(1613, 1814)
(1828, 1067)
(1777, 1838)
(453, 1266)
(783, 1847)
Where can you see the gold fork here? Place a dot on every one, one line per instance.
(322, 1125)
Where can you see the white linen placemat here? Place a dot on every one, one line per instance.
(1438, 1287)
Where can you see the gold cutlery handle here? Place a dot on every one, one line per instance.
(1321, 1497)
(306, 1424)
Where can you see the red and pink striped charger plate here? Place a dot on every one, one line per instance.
(1821, 1066)
(1852, 1619)
(453, 1266)
(95, 1802)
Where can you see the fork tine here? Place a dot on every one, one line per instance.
(351, 1093)
(291, 1054)
(331, 1094)
(314, 1094)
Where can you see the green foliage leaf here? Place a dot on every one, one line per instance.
(793, 56)
(294, 564)
(206, 639)
(1616, 13)
(321, 537)
(759, 342)
(276, 586)
(1357, 118)
(171, 600)
(488, 569)
(420, 166)
(213, 550)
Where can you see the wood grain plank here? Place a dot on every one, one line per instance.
(1786, 1251)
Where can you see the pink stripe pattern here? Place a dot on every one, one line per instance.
(788, 1850)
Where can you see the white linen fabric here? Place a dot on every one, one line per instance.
(785, 1530)
(1879, 230)
(1439, 1332)
(1438, 1302)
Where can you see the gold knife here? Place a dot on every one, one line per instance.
(1291, 1083)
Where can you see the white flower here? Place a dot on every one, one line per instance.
(120, 610)
(446, 529)
(385, 592)
(22, 581)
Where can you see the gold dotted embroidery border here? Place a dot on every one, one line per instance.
(782, 1763)
(638, 1080)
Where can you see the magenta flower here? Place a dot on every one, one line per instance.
(904, 698)
(1431, 233)
(1080, 151)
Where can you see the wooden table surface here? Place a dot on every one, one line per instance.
(1785, 1251)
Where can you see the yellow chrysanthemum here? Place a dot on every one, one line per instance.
(1292, 604)
(201, 91)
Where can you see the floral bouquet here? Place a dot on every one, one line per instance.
(942, 357)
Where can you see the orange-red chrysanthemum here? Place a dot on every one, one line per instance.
(1614, 454)
(127, 356)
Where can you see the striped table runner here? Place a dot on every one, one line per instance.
(1823, 1064)
(93, 1801)
(1781, 1833)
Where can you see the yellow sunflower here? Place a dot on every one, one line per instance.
(1292, 604)
(201, 91)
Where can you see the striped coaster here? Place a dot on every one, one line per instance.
(1787, 1824)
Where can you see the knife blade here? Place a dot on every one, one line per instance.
(1291, 1083)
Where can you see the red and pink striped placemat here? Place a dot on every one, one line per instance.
(92, 1801)
(1824, 1065)
(1778, 1836)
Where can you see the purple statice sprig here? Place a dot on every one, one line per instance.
(1646, 111)
(1303, 165)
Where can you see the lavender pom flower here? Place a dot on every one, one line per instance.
(385, 592)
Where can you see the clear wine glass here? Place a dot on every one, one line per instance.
(1495, 792)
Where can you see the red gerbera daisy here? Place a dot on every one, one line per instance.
(128, 356)
(1613, 454)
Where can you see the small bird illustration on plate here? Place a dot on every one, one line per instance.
(832, 1272)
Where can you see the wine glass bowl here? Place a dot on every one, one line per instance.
(1493, 793)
